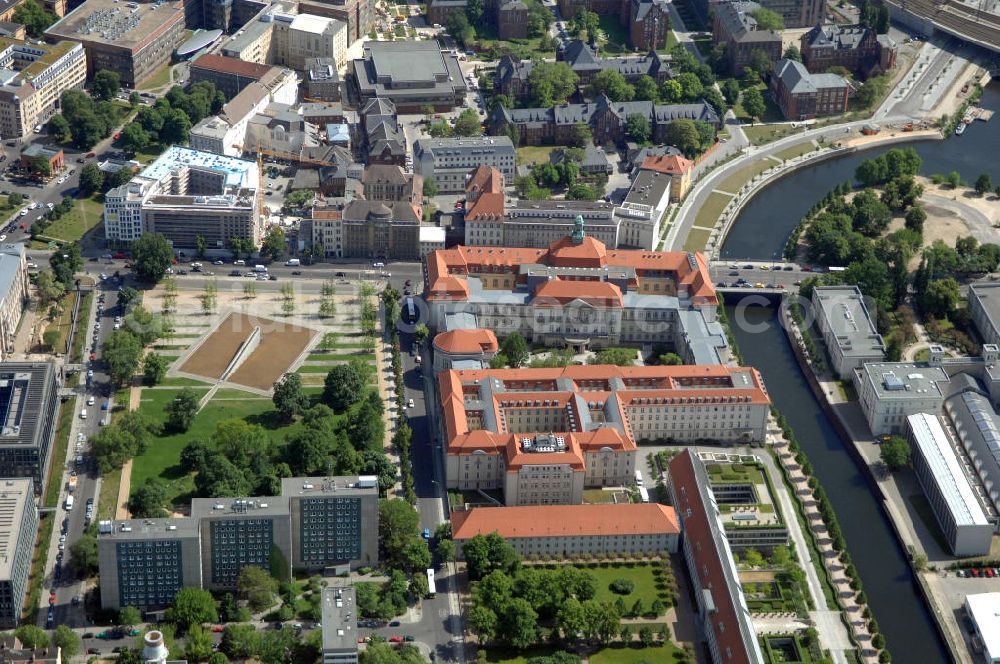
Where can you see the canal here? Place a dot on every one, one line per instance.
(760, 233)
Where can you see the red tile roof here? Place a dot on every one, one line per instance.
(467, 341)
(669, 164)
(565, 521)
(226, 65)
(557, 292)
(486, 179)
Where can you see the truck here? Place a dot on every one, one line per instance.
(72, 483)
(293, 262)
(69, 503)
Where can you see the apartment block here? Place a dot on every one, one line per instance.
(543, 435)
(451, 161)
(13, 294)
(847, 328)
(19, 514)
(559, 532)
(132, 41)
(316, 523)
(578, 294)
(185, 194)
(283, 34)
(359, 15)
(723, 616)
(32, 77)
(28, 406)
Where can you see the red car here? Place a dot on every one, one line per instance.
(395, 639)
(119, 255)
(93, 357)
(118, 135)
(52, 598)
(216, 628)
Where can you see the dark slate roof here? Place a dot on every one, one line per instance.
(797, 79)
(379, 106)
(394, 210)
(646, 6)
(565, 114)
(839, 37)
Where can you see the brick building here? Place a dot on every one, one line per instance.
(803, 96)
(512, 20)
(737, 29)
(856, 48)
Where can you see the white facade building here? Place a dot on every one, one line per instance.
(847, 328)
(983, 610)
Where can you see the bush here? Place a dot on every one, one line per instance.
(621, 587)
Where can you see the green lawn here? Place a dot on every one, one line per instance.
(795, 150)
(615, 34)
(711, 210)
(671, 42)
(65, 322)
(696, 239)
(635, 654)
(181, 381)
(162, 457)
(511, 656)
(160, 78)
(81, 335)
(85, 215)
(742, 176)
(107, 502)
(333, 357)
(535, 154)
(640, 575)
(766, 133)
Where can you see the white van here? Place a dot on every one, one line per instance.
(69, 503)
(638, 478)
(83, 414)
(239, 262)
(293, 262)
(260, 269)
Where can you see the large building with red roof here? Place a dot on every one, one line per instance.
(579, 293)
(543, 435)
(565, 531)
(724, 617)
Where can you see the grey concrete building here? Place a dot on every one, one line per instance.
(339, 624)
(412, 74)
(977, 426)
(144, 562)
(889, 392)
(847, 328)
(539, 223)
(28, 405)
(322, 79)
(450, 161)
(984, 306)
(316, 523)
(19, 515)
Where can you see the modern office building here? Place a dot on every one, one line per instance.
(339, 622)
(752, 517)
(359, 15)
(737, 29)
(185, 194)
(543, 435)
(19, 515)
(567, 531)
(230, 75)
(577, 293)
(411, 74)
(964, 523)
(803, 96)
(13, 294)
(283, 34)
(28, 405)
(32, 77)
(132, 41)
(983, 611)
(724, 618)
(889, 392)
(847, 328)
(452, 161)
(984, 307)
(315, 524)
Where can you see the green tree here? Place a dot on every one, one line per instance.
(274, 244)
(32, 637)
(519, 624)
(671, 92)
(122, 353)
(610, 82)
(551, 83)
(148, 499)
(176, 128)
(344, 385)
(895, 453)
(91, 179)
(257, 587)
(58, 127)
(940, 297)
(793, 53)
(646, 90)
(200, 246)
(289, 399)
(198, 644)
(129, 617)
(468, 124)
(34, 18)
(154, 369)
(446, 550)
(105, 85)
(83, 555)
(65, 638)
(488, 553)
(134, 138)
(682, 133)
(192, 606)
(460, 28)
(182, 410)
(40, 165)
(515, 349)
(581, 136)
(753, 104)
(240, 641)
(430, 188)
(49, 289)
(984, 183)
(731, 90)
(768, 19)
(646, 636)
(637, 127)
(151, 256)
(670, 359)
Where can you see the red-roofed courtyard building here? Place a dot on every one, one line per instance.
(563, 531)
(543, 435)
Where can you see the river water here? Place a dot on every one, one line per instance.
(760, 233)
